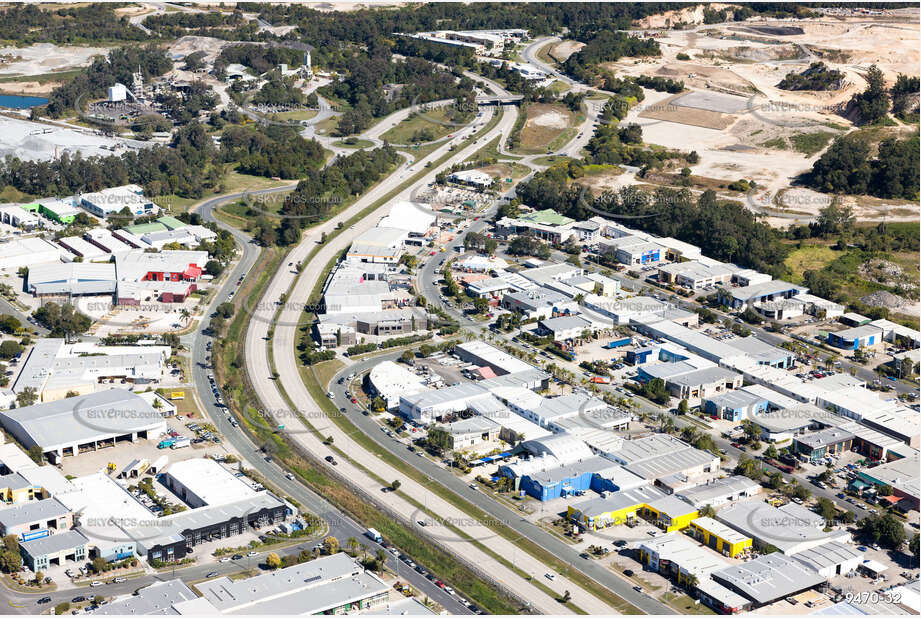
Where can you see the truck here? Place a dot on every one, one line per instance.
(780, 466)
(600, 380)
(374, 535)
(165, 443)
(180, 443)
(618, 343)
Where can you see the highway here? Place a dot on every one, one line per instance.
(285, 363)
(340, 526)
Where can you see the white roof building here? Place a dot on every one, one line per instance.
(392, 381)
(114, 199)
(28, 252)
(414, 218)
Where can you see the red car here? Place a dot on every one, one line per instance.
(735, 444)
(354, 400)
(440, 584)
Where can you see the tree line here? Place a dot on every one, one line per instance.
(26, 24)
(849, 167)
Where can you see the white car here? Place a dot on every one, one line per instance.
(95, 584)
(225, 560)
(550, 576)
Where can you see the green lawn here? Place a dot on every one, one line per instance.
(810, 257)
(425, 126)
(810, 143)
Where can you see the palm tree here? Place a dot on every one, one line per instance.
(380, 558)
(352, 544)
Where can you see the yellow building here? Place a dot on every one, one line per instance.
(720, 537)
(675, 555)
(14, 489)
(668, 512)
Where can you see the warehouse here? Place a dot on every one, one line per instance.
(896, 333)
(685, 381)
(60, 211)
(661, 455)
(41, 553)
(470, 432)
(734, 405)
(55, 368)
(28, 252)
(768, 578)
(545, 224)
(901, 475)
(816, 446)
(618, 508)
(81, 248)
(391, 381)
(430, 405)
(204, 482)
(69, 426)
(17, 216)
(104, 239)
(35, 519)
(540, 304)
(566, 328)
(721, 599)
(768, 525)
(474, 178)
(71, 279)
(720, 537)
(694, 275)
(855, 338)
(379, 245)
(760, 293)
(160, 597)
(674, 555)
(717, 492)
(548, 477)
(485, 355)
(115, 199)
(330, 585)
(188, 236)
(416, 219)
(670, 513)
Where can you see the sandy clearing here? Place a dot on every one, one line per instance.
(44, 58)
(552, 119)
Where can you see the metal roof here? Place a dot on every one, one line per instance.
(54, 543)
(768, 578)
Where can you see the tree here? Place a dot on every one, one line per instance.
(26, 397)
(683, 406)
(62, 320)
(566, 596)
(407, 356)
(225, 310)
(887, 530)
(330, 545)
(395, 485)
(273, 561)
(99, 564)
(380, 559)
(62, 608)
(707, 511)
(39, 578)
(10, 560)
(873, 103)
(913, 546)
(352, 544)
(827, 510)
(214, 268)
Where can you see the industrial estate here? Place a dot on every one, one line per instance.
(437, 308)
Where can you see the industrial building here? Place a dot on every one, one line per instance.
(770, 526)
(902, 475)
(469, 432)
(774, 290)
(855, 338)
(540, 304)
(360, 287)
(565, 328)
(28, 252)
(816, 446)
(717, 492)
(390, 381)
(661, 455)
(416, 219)
(69, 426)
(53, 550)
(720, 537)
(82, 249)
(473, 178)
(116, 199)
(329, 585)
(54, 368)
(485, 355)
(71, 279)
(379, 245)
(613, 510)
(546, 225)
(694, 275)
(734, 405)
(768, 578)
(676, 556)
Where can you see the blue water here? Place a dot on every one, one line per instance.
(15, 101)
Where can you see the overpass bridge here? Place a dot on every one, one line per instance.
(514, 99)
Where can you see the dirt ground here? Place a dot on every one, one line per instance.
(191, 44)
(669, 110)
(545, 123)
(43, 58)
(564, 49)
